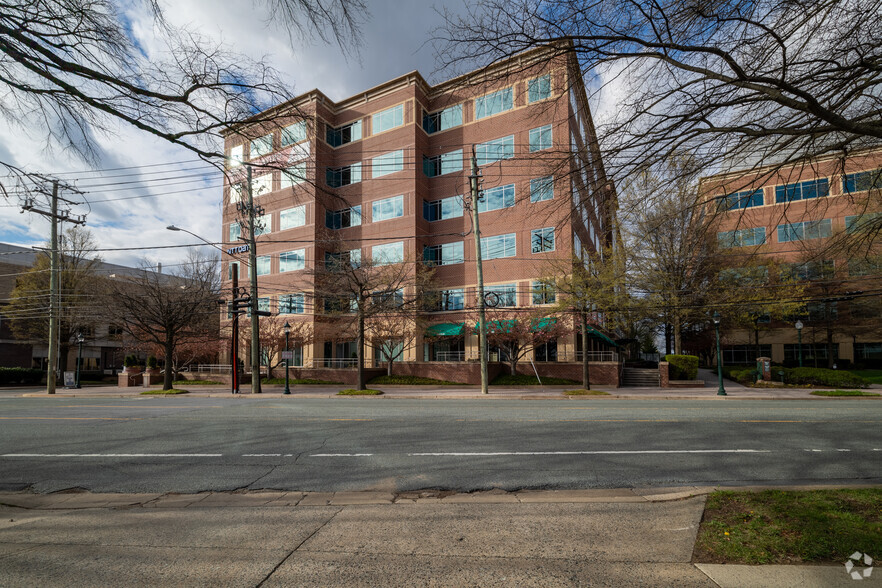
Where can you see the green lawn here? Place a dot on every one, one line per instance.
(874, 376)
(525, 380)
(790, 527)
(354, 392)
(843, 393)
(163, 392)
(583, 392)
(292, 381)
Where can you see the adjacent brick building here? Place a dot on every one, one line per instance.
(384, 174)
(818, 220)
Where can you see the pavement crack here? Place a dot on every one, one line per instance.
(298, 546)
(259, 478)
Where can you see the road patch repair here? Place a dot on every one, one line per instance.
(643, 536)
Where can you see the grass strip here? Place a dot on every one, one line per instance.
(354, 392)
(171, 392)
(526, 380)
(583, 392)
(843, 393)
(294, 381)
(789, 527)
(412, 380)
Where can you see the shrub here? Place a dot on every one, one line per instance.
(11, 376)
(823, 377)
(151, 362)
(683, 367)
(130, 361)
(741, 375)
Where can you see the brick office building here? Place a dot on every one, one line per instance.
(819, 221)
(384, 174)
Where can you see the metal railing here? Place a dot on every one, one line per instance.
(450, 356)
(327, 362)
(592, 356)
(210, 368)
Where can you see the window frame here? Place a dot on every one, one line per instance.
(484, 104)
(299, 259)
(390, 201)
(540, 138)
(395, 112)
(543, 240)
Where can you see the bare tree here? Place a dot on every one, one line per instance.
(740, 84)
(517, 337)
(167, 310)
(75, 68)
(394, 332)
(29, 301)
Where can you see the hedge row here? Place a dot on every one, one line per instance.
(682, 367)
(12, 376)
(803, 376)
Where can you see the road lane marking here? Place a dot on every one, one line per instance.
(341, 455)
(70, 418)
(637, 452)
(261, 455)
(112, 455)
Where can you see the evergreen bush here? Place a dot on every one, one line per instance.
(682, 367)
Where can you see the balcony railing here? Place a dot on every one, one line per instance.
(450, 356)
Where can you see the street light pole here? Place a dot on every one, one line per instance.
(287, 328)
(79, 358)
(798, 326)
(721, 391)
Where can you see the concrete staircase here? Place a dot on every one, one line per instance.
(640, 378)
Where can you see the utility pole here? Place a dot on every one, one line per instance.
(255, 312)
(482, 319)
(234, 347)
(54, 299)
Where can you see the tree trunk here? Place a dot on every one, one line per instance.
(389, 367)
(169, 358)
(830, 360)
(360, 345)
(667, 338)
(678, 337)
(586, 377)
(513, 363)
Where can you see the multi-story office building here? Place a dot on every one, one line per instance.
(384, 175)
(816, 222)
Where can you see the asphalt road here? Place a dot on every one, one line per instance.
(195, 444)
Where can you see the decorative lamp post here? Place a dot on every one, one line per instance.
(79, 357)
(721, 391)
(798, 326)
(287, 328)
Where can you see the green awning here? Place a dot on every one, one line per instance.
(592, 332)
(445, 330)
(498, 326)
(543, 324)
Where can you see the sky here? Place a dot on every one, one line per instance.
(127, 205)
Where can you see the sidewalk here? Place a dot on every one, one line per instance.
(733, 391)
(531, 538)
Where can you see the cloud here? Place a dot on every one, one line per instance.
(131, 207)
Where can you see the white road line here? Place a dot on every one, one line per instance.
(341, 455)
(112, 455)
(261, 455)
(494, 453)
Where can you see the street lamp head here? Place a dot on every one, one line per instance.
(716, 317)
(173, 228)
(80, 338)
(287, 328)
(798, 325)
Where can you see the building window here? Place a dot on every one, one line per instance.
(811, 352)
(443, 119)
(450, 300)
(443, 209)
(387, 208)
(343, 176)
(235, 232)
(342, 135)
(263, 225)
(296, 174)
(262, 184)
(802, 190)
(388, 253)
(868, 180)
(292, 217)
(446, 254)
(805, 231)
(494, 103)
(339, 304)
(542, 240)
(291, 304)
(388, 163)
(540, 138)
(861, 222)
(291, 261)
(495, 150)
(497, 198)
(294, 133)
(812, 270)
(502, 295)
(387, 119)
(337, 261)
(738, 200)
(546, 351)
(541, 189)
(867, 352)
(236, 156)
(235, 193)
(865, 266)
(742, 238)
(543, 293)
(261, 146)
(342, 219)
(498, 246)
(445, 163)
(243, 270)
(539, 88)
(263, 265)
